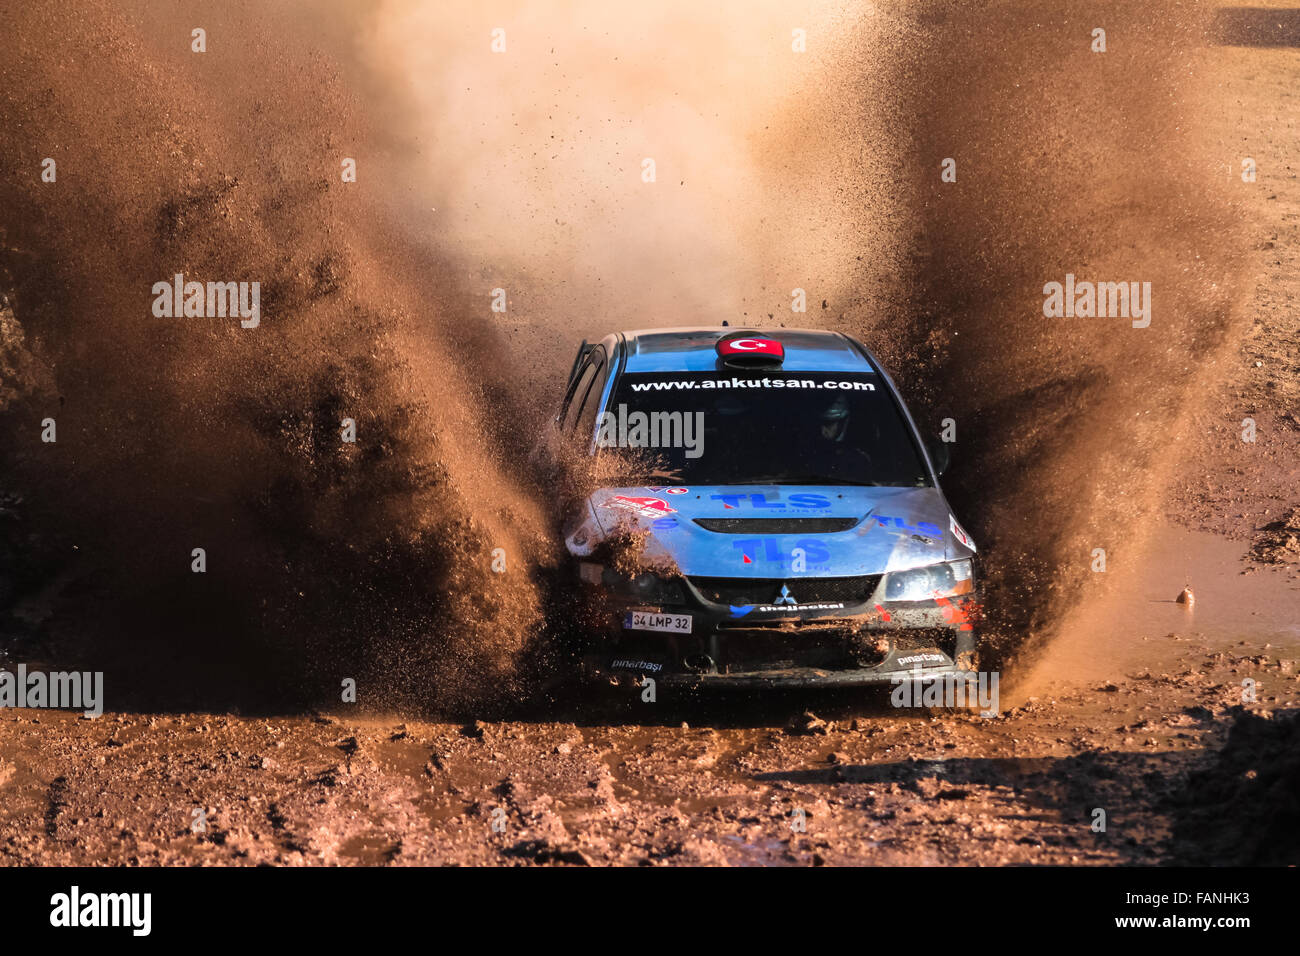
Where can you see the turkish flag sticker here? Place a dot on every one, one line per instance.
(741, 347)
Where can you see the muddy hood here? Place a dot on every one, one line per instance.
(767, 531)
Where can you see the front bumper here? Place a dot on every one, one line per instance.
(843, 647)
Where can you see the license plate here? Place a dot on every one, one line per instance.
(654, 621)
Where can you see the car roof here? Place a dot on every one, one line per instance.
(692, 349)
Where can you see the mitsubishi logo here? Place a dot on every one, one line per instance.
(785, 597)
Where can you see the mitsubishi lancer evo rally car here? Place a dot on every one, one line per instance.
(791, 495)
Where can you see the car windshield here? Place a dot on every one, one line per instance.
(768, 427)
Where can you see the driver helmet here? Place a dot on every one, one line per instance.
(835, 419)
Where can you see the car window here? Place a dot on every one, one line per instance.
(579, 393)
(587, 417)
(771, 427)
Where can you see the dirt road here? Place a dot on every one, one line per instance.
(1138, 733)
(1157, 738)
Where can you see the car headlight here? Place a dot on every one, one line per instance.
(935, 581)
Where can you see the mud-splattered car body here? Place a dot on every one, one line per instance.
(815, 548)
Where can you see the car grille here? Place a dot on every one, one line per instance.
(776, 525)
(804, 590)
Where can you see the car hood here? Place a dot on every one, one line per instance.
(769, 531)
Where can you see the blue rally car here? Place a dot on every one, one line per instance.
(789, 515)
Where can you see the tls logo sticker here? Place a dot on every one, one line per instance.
(771, 550)
(799, 501)
(921, 527)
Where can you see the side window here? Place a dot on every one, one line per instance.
(579, 393)
(587, 417)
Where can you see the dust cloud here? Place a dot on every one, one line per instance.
(523, 170)
(1068, 161)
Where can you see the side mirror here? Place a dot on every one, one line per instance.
(940, 455)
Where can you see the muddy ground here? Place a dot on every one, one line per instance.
(1158, 738)
(1132, 704)
(1021, 788)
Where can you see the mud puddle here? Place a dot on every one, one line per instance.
(1138, 624)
